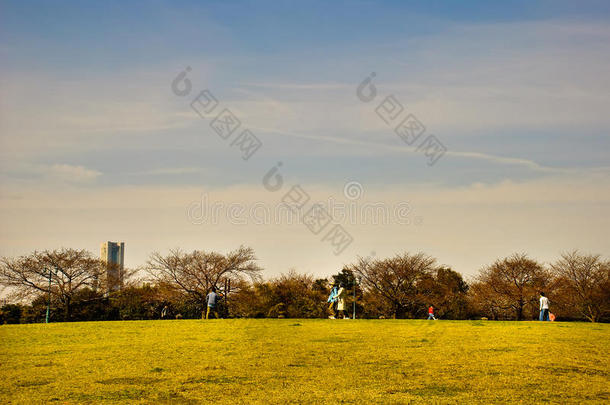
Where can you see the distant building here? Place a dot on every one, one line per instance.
(112, 255)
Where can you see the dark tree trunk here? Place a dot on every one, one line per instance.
(67, 311)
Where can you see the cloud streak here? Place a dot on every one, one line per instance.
(503, 160)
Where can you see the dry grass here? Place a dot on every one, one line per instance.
(305, 361)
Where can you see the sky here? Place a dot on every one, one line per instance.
(97, 143)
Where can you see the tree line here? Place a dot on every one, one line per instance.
(175, 285)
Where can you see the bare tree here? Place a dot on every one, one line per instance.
(70, 270)
(396, 279)
(484, 301)
(512, 284)
(583, 284)
(194, 274)
(446, 290)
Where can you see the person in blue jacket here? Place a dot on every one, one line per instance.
(212, 299)
(332, 299)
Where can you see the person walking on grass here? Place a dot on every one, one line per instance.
(544, 307)
(332, 299)
(431, 313)
(211, 299)
(341, 295)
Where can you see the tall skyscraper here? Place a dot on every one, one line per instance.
(112, 255)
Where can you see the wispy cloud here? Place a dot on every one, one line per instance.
(70, 173)
(503, 160)
(172, 171)
(300, 86)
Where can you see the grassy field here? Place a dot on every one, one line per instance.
(305, 361)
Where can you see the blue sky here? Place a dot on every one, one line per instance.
(95, 146)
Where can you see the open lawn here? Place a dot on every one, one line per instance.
(305, 361)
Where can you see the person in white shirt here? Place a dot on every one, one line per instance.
(341, 306)
(544, 307)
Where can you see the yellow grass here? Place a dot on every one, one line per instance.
(305, 361)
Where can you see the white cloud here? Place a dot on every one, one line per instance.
(172, 171)
(70, 173)
(42, 112)
(470, 78)
(44, 175)
(392, 148)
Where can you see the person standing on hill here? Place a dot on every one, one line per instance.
(332, 299)
(544, 307)
(431, 313)
(341, 295)
(211, 299)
